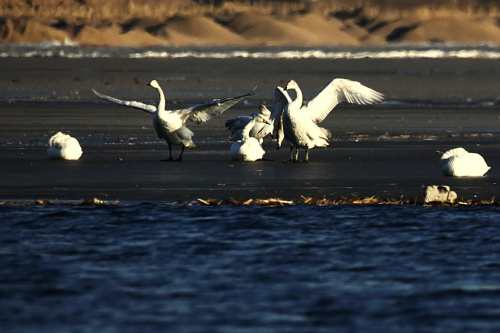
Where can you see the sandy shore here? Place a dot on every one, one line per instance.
(298, 23)
(385, 150)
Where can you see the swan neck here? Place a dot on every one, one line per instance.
(246, 130)
(298, 97)
(161, 105)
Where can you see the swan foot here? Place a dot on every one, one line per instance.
(167, 160)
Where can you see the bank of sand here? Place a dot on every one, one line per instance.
(136, 23)
(387, 150)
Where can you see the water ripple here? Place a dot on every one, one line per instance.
(302, 268)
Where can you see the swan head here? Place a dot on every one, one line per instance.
(291, 85)
(456, 152)
(267, 122)
(261, 119)
(154, 84)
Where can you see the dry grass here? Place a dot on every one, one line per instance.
(123, 10)
(317, 201)
(98, 10)
(276, 202)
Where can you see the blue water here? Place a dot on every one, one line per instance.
(165, 268)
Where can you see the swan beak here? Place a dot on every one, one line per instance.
(267, 123)
(439, 152)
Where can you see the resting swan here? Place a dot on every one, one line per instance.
(248, 148)
(171, 125)
(260, 129)
(63, 146)
(459, 162)
(297, 123)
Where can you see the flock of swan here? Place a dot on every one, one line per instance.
(289, 119)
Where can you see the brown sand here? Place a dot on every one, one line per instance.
(386, 151)
(296, 24)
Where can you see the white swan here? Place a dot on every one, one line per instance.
(298, 123)
(260, 129)
(63, 146)
(248, 148)
(170, 125)
(459, 162)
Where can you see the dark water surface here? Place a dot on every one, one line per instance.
(153, 267)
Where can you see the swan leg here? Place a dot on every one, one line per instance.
(292, 157)
(170, 154)
(296, 159)
(306, 158)
(179, 159)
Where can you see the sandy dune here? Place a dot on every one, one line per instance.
(251, 28)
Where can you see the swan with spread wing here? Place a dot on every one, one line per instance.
(298, 123)
(171, 125)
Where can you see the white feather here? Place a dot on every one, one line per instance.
(248, 148)
(63, 146)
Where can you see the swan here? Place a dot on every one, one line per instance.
(297, 123)
(248, 148)
(260, 129)
(171, 125)
(63, 146)
(459, 162)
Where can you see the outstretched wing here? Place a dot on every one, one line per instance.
(200, 113)
(339, 90)
(135, 104)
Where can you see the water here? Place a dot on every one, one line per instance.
(392, 51)
(154, 267)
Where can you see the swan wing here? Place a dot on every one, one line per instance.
(280, 102)
(339, 90)
(135, 104)
(200, 113)
(238, 123)
(264, 111)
